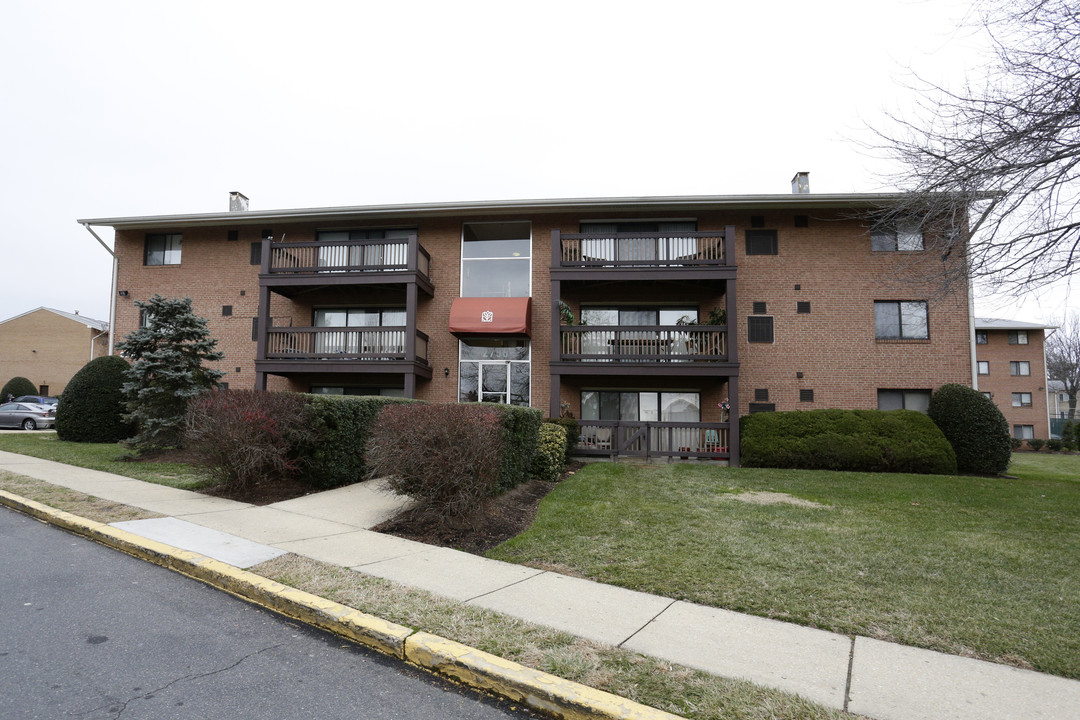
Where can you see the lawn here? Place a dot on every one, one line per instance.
(984, 567)
(107, 457)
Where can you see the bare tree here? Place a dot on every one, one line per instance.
(991, 170)
(1063, 358)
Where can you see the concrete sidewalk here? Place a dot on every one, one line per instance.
(860, 675)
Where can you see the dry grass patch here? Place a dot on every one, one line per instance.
(773, 498)
(72, 501)
(691, 693)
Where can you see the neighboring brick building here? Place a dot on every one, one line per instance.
(47, 347)
(640, 316)
(1011, 371)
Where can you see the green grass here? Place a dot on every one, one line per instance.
(107, 457)
(984, 567)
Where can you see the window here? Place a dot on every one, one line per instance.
(163, 249)
(256, 254)
(905, 237)
(984, 367)
(988, 396)
(759, 329)
(352, 339)
(981, 337)
(656, 241)
(494, 370)
(1018, 337)
(640, 406)
(761, 242)
(1019, 367)
(496, 259)
(1023, 432)
(802, 307)
(901, 320)
(1021, 399)
(903, 400)
(340, 249)
(806, 396)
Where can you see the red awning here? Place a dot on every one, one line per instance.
(491, 316)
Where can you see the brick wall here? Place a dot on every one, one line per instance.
(1001, 384)
(47, 349)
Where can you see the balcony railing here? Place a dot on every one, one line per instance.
(644, 343)
(361, 344)
(687, 249)
(654, 439)
(354, 256)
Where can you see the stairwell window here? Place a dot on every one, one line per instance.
(901, 320)
(163, 249)
(496, 259)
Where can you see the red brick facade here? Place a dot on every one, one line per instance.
(1016, 377)
(819, 288)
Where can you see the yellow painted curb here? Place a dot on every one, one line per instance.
(368, 630)
(549, 694)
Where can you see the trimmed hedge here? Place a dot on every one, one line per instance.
(550, 458)
(16, 387)
(861, 440)
(521, 429)
(93, 408)
(573, 432)
(973, 425)
(343, 424)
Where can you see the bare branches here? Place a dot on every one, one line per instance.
(998, 166)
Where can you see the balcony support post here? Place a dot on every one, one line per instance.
(733, 420)
(264, 317)
(411, 303)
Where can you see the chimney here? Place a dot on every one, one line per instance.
(800, 184)
(238, 201)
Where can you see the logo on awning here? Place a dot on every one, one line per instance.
(487, 316)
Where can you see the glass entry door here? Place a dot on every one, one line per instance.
(495, 371)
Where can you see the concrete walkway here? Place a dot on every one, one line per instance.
(860, 675)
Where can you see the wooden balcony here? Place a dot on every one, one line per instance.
(641, 349)
(688, 255)
(678, 440)
(348, 350)
(300, 265)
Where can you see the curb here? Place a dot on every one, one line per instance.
(548, 694)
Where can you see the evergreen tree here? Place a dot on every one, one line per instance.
(167, 355)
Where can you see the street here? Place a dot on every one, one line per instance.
(92, 633)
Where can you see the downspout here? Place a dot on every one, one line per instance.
(971, 335)
(112, 293)
(93, 339)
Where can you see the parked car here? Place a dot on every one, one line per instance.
(37, 400)
(28, 416)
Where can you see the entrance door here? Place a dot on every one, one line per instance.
(493, 385)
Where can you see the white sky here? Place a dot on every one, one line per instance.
(143, 108)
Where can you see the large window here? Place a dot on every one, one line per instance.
(903, 400)
(636, 405)
(905, 237)
(496, 259)
(1019, 367)
(494, 370)
(901, 320)
(163, 249)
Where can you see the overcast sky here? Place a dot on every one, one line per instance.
(142, 108)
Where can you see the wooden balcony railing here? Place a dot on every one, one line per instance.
(687, 249)
(354, 256)
(361, 344)
(644, 343)
(654, 439)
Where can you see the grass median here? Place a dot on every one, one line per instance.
(982, 567)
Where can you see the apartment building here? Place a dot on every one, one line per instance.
(1011, 371)
(656, 321)
(48, 346)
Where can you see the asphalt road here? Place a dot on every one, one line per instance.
(92, 633)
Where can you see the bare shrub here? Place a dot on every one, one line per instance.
(243, 436)
(446, 457)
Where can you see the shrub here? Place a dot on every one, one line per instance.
(1068, 435)
(17, 386)
(1036, 444)
(975, 428)
(1054, 445)
(342, 424)
(865, 440)
(1015, 443)
(550, 458)
(573, 432)
(521, 427)
(243, 436)
(92, 408)
(446, 457)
